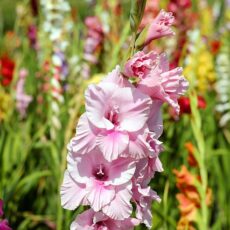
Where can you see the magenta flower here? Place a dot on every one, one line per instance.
(155, 79)
(4, 225)
(91, 180)
(160, 27)
(90, 220)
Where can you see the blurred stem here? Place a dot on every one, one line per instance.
(118, 47)
(133, 44)
(197, 132)
(165, 202)
(69, 131)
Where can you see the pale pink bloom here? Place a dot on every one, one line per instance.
(90, 220)
(158, 81)
(94, 39)
(22, 99)
(115, 116)
(92, 180)
(160, 27)
(93, 23)
(143, 198)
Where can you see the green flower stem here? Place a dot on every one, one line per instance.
(196, 128)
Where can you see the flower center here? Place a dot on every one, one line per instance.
(113, 115)
(100, 172)
(100, 226)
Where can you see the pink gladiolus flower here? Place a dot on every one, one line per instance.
(115, 152)
(90, 220)
(160, 27)
(118, 127)
(155, 79)
(92, 180)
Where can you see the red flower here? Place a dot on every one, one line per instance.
(215, 46)
(6, 70)
(185, 107)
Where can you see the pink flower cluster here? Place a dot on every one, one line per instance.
(23, 100)
(94, 39)
(115, 152)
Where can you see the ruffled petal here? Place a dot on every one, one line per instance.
(121, 171)
(120, 208)
(112, 144)
(99, 195)
(84, 141)
(72, 193)
(134, 108)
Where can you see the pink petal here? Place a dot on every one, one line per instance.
(96, 98)
(160, 27)
(155, 123)
(4, 225)
(80, 168)
(83, 221)
(120, 208)
(134, 108)
(116, 78)
(138, 147)
(85, 138)
(112, 144)
(121, 171)
(72, 193)
(127, 224)
(144, 197)
(99, 195)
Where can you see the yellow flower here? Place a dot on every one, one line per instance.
(5, 102)
(200, 68)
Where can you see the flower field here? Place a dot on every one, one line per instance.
(114, 114)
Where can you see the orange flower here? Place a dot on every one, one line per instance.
(191, 158)
(188, 198)
(184, 224)
(187, 207)
(184, 178)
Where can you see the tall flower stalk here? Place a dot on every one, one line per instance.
(200, 155)
(56, 25)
